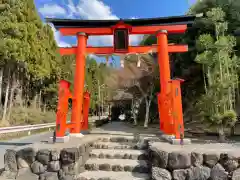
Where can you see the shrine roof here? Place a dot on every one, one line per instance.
(76, 23)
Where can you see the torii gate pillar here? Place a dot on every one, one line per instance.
(77, 115)
(164, 72)
(169, 102)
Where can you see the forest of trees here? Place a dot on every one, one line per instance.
(31, 67)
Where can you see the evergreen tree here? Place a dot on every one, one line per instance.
(28, 52)
(216, 55)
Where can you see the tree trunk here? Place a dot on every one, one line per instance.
(20, 96)
(1, 81)
(134, 119)
(44, 107)
(134, 113)
(137, 104)
(6, 98)
(40, 100)
(13, 88)
(147, 114)
(221, 134)
(232, 131)
(34, 105)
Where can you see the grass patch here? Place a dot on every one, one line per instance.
(9, 136)
(26, 116)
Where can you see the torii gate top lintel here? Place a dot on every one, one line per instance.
(78, 23)
(121, 29)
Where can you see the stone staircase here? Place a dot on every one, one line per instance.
(116, 158)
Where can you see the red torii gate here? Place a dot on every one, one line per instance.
(169, 99)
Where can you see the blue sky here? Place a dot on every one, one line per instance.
(108, 9)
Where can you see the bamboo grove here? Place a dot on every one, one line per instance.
(220, 72)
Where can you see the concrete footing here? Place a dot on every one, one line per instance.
(59, 139)
(167, 137)
(172, 139)
(180, 141)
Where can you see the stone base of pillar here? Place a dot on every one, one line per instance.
(167, 137)
(59, 139)
(78, 135)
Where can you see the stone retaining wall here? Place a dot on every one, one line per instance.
(184, 165)
(44, 164)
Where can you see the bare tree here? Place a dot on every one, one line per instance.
(138, 80)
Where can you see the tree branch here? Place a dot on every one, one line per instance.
(141, 90)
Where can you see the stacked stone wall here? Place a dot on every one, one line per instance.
(185, 165)
(45, 164)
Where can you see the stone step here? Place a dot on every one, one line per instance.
(119, 139)
(109, 175)
(118, 154)
(132, 139)
(121, 133)
(115, 145)
(140, 166)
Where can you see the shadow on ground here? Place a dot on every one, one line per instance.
(13, 144)
(124, 127)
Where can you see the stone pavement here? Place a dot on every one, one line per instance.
(121, 128)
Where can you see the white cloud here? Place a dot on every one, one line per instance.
(92, 56)
(96, 9)
(52, 10)
(135, 39)
(57, 36)
(100, 40)
(91, 9)
(87, 9)
(60, 43)
(108, 40)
